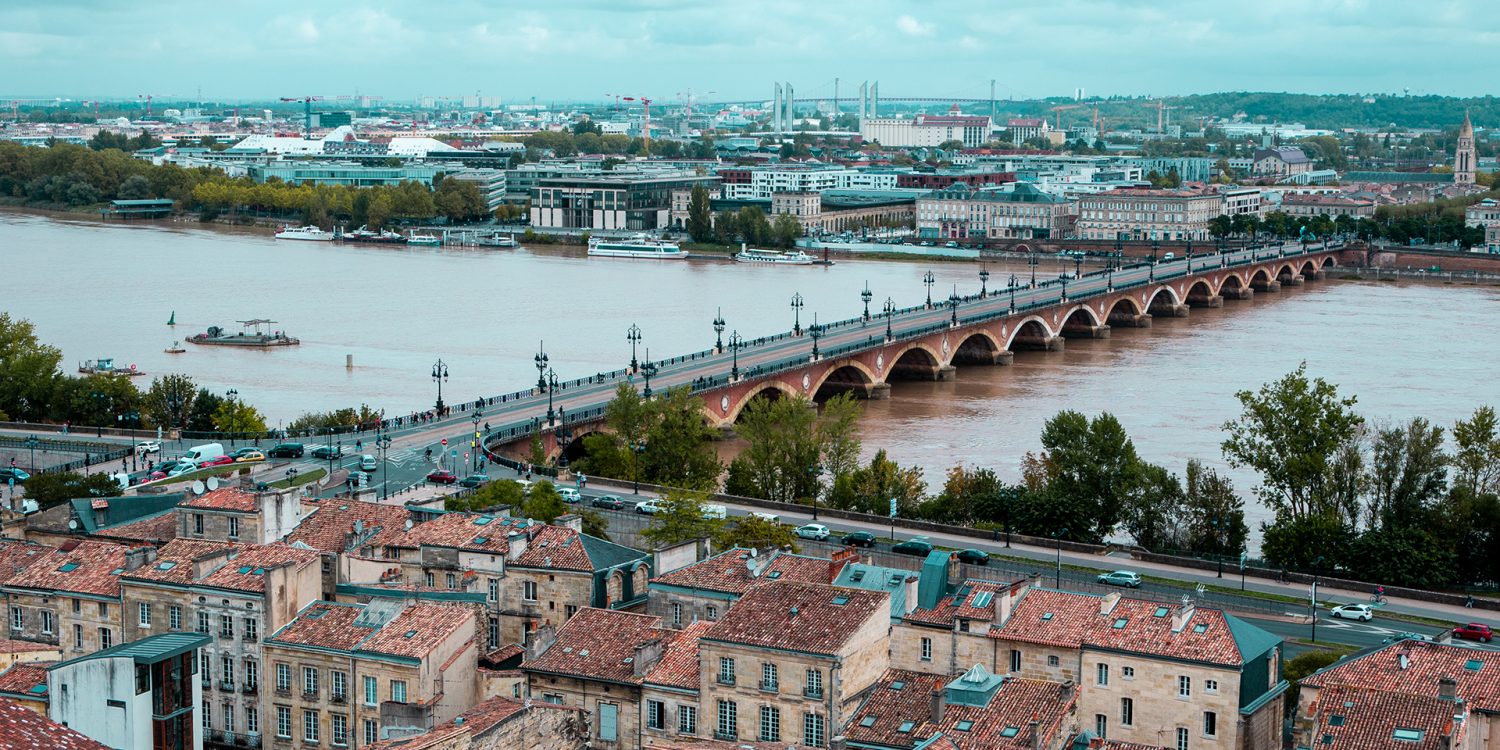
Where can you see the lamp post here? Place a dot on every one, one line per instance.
(719, 331)
(633, 335)
(101, 401)
(478, 415)
(735, 342)
(540, 360)
(929, 280)
(439, 376)
(291, 476)
(31, 444)
(1313, 598)
(890, 313)
(812, 480)
(816, 331)
(1057, 581)
(1012, 292)
(1119, 251)
(867, 295)
(1064, 279)
(1155, 246)
(797, 305)
(636, 449)
(551, 385)
(984, 279)
(1031, 260)
(383, 443)
(1077, 266)
(648, 369)
(953, 306)
(564, 437)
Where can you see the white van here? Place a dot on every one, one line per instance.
(711, 510)
(200, 453)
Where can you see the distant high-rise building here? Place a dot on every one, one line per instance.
(1463, 158)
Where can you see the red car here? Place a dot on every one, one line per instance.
(215, 461)
(1474, 631)
(442, 477)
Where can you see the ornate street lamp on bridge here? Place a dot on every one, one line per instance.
(550, 382)
(890, 312)
(1077, 266)
(633, 335)
(735, 342)
(648, 369)
(564, 437)
(439, 376)
(719, 331)
(1012, 292)
(953, 304)
(383, 444)
(866, 295)
(797, 305)
(929, 279)
(1063, 277)
(816, 331)
(984, 278)
(478, 441)
(1031, 260)
(541, 367)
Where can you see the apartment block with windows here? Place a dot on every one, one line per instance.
(239, 515)
(1148, 214)
(670, 707)
(342, 675)
(234, 594)
(143, 695)
(336, 526)
(978, 710)
(705, 589)
(70, 596)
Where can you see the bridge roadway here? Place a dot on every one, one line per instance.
(512, 418)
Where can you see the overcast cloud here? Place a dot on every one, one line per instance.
(575, 49)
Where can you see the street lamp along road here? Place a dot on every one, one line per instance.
(540, 360)
(383, 442)
(476, 443)
(890, 312)
(929, 280)
(648, 369)
(867, 295)
(439, 376)
(816, 331)
(633, 335)
(797, 305)
(718, 332)
(551, 384)
(953, 303)
(735, 342)
(984, 279)
(1012, 292)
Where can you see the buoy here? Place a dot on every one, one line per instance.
(349, 361)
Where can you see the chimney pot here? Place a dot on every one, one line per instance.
(938, 705)
(1447, 689)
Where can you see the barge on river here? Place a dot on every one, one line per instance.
(216, 336)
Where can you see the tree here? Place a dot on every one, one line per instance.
(700, 219)
(1221, 225)
(543, 503)
(169, 401)
(492, 495)
(1152, 512)
(1214, 513)
(50, 489)
(1289, 432)
(201, 413)
(680, 519)
(754, 532)
(786, 230)
(869, 489)
(1309, 542)
(459, 200)
(791, 446)
(135, 187)
(1477, 460)
(28, 370)
(237, 417)
(1094, 465)
(594, 523)
(679, 450)
(1408, 475)
(1404, 556)
(967, 496)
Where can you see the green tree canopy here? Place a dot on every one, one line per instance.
(681, 518)
(53, 488)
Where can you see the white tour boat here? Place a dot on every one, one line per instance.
(639, 246)
(417, 238)
(309, 232)
(497, 240)
(773, 257)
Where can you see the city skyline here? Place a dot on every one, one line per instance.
(588, 50)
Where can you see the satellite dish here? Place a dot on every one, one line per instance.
(73, 524)
(213, 483)
(197, 486)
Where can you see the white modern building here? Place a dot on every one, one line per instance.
(927, 130)
(143, 695)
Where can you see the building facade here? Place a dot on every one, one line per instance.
(633, 202)
(1018, 211)
(144, 694)
(1148, 214)
(926, 130)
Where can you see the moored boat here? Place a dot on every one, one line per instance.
(216, 336)
(417, 238)
(773, 257)
(497, 240)
(309, 232)
(106, 366)
(365, 234)
(175, 348)
(640, 246)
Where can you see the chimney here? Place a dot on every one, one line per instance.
(912, 585)
(570, 521)
(139, 556)
(647, 655)
(1447, 689)
(939, 702)
(1107, 604)
(1036, 732)
(840, 559)
(1005, 603)
(1183, 616)
(838, 742)
(518, 541)
(541, 639)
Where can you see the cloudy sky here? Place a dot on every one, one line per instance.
(575, 49)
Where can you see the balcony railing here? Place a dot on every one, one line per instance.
(812, 692)
(227, 686)
(726, 679)
(338, 698)
(252, 637)
(769, 686)
(250, 688)
(309, 695)
(726, 736)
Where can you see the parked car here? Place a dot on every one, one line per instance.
(918, 546)
(812, 531)
(974, 557)
(367, 462)
(1126, 578)
(648, 507)
(181, 468)
(1407, 636)
(148, 446)
(1474, 631)
(247, 457)
(286, 450)
(11, 473)
(1361, 612)
(568, 495)
(714, 510)
(245, 450)
(220, 460)
(613, 502)
(764, 516)
(859, 539)
(327, 451)
(442, 476)
(201, 453)
(474, 480)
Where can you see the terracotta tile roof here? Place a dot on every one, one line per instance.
(1364, 719)
(680, 742)
(24, 729)
(478, 720)
(678, 666)
(809, 617)
(1426, 664)
(16, 556)
(556, 547)
(903, 700)
(420, 628)
(599, 644)
(158, 528)
(239, 567)
(89, 567)
(330, 526)
(730, 571)
(475, 532)
(28, 678)
(325, 625)
(224, 498)
(11, 646)
(1111, 744)
(974, 600)
(1058, 618)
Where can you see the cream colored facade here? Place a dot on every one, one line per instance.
(1147, 215)
(78, 624)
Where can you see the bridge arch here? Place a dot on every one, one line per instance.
(1125, 310)
(1153, 301)
(1260, 277)
(1309, 268)
(1286, 272)
(771, 388)
(978, 347)
(576, 449)
(1081, 320)
(1329, 260)
(851, 375)
(1031, 333)
(916, 360)
(1199, 294)
(1232, 282)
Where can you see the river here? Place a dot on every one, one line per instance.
(106, 290)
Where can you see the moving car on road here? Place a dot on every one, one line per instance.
(612, 502)
(11, 473)
(764, 516)
(812, 531)
(442, 476)
(1125, 578)
(918, 546)
(286, 450)
(474, 480)
(568, 495)
(215, 461)
(367, 462)
(327, 451)
(248, 456)
(148, 446)
(646, 507)
(1361, 612)
(859, 539)
(1474, 631)
(973, 557)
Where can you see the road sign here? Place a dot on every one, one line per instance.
(893, 507)
(445, 442)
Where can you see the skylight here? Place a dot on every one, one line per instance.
(868, 721)
(964, 726)
(482, 520)
(1160, 612)
(982, 599)
(898, 684)
(839, 601)
(1010, 731)
(905, 727)
(774, 574)
(1120, 623)
(1336, 720)
(167, 565)
(245, 569)
(410, 634)
(1473, 665)
(1046, 616)
(857, 576)
(1201, 627)
(1408, 735)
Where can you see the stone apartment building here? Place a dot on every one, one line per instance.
(1331, 206)
(1408, 694)
(790, 661)
(350, 675)
(952, 635)
(336, 526)
(1148, 214)
(234, 594)
(70, 595)
(501, 724)
(1281, 161)
(976, 710)
(238, 515)
(1016, 211)
(705, 590)
(670, 708)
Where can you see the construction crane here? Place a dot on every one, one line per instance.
(617, 101)
(645, 121)
(1161, 113)
(95, 102)
(15, 105)
(1057, 114)
(147, 98)
(688, 97)
(306, 111)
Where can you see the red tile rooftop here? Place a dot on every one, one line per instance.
(224, 498)
(12, 646)
(731, 571)
(1069, 620)
(16, 556)
(332, 523)
(1477, 673)
(27, 678)
(412, 630)
(599, 644)
(474, 532)
(475, 722)
(1364, 719)
(84, 567)
(678, 666)
(420, 628)
(24, 729)
(158, 528)
(325, 625)
(899, 713)
(808, 617)
(974, 600)
(555, 547)
(237, 567)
